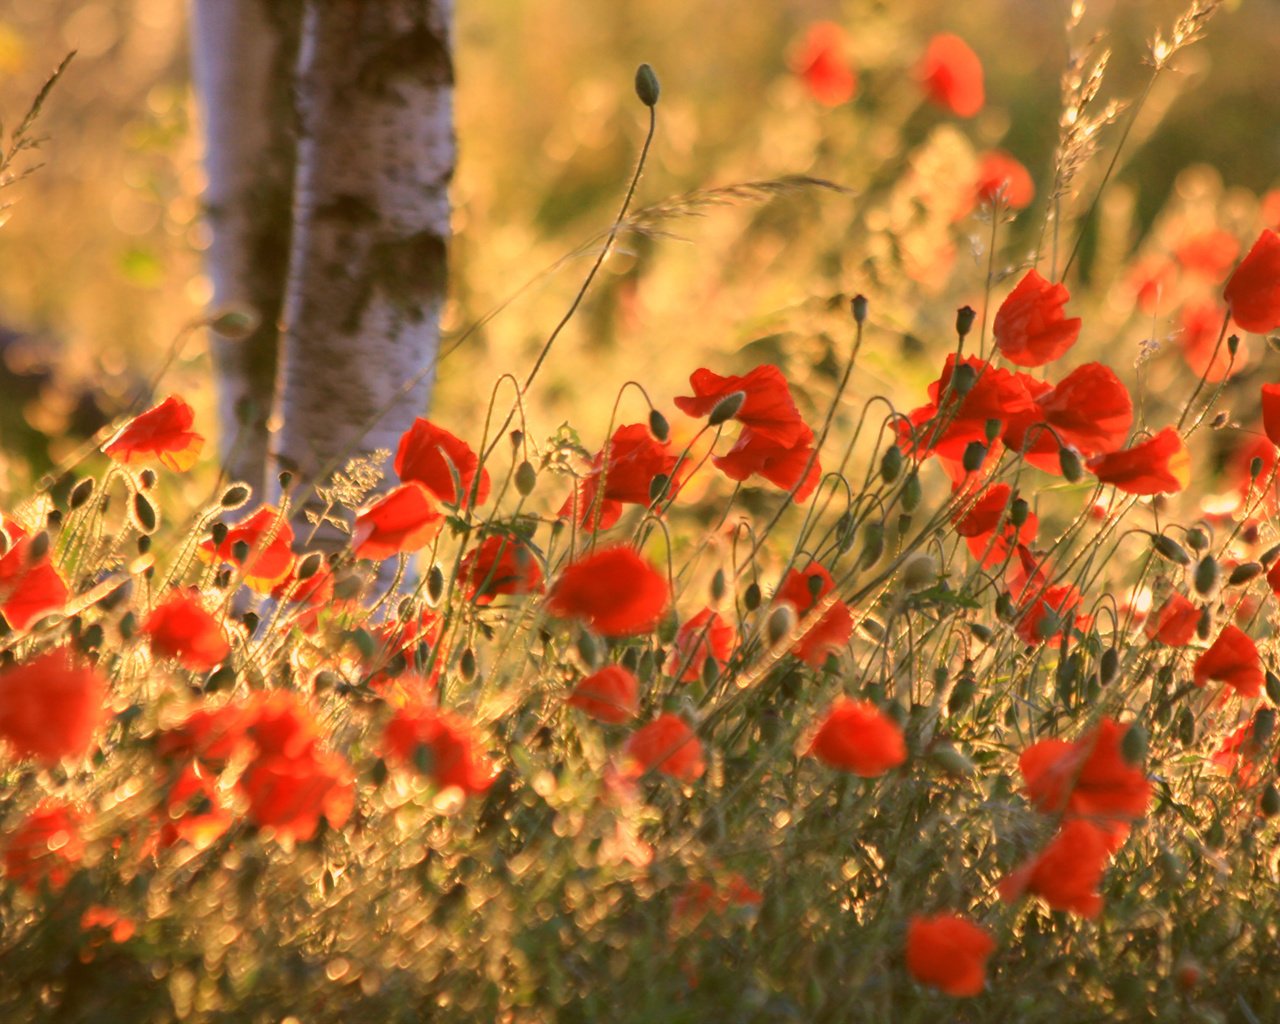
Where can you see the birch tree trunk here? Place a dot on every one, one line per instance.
(371, 221)
(244, 53)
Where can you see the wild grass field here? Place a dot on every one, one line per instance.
(862, 610)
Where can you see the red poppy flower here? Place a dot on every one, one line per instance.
(635, 458)
(1208, 253)
(214, 735)
(1068, 871)
(425, 455)
(1253, 290)
(978, 526)
(1200, 339)
(1261, 487)
(701, 898)
(1159, 465)
(1271, 411)
(669, 746)
(100, 917)
(822, 66)
(767, 406)
(280, 722)
(1044, 606)
(832, 630)
(45, 847)
(1151, 280)
(1175, 623)
(311, 595)
(856, 737)
(1089, 409)
(616, 591)
(704, 636)
(951, 75)
(1089, 778)
(502, 564)
(291, 794)
(402, 520)
(180, 628)
(948, 952)
(29, 588)
(1241, 755)
(51, 707)
(194, 810)
(611, 695)
(1232, 659)
(268, 538)
(162, 434)
(1002, 176)
(785, 466)
(1030, 327)
(441, 745)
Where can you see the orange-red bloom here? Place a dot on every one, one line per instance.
(616, 591)
(611, 695)
(1089, 778)
(51, 707)
(502, 564)
(1202, 342)
(29, 588)
(951, 75)
(214, 735)
(268, 548)
(700, 898)
(402, 520)
(1175, 623)
(949, 952)
(1253, 290)
(832, 630)
(822, 65)
(291, 794)
(1045, 609)
(669, 746)
(441, 745)
(784, 466)
(704, 636)
(100, 917)
(1159, 465)
(635, 458)
(1068, 871)
(1089, 409)
(1271, 411)
(1030, 327)
(856, 737)
(181, 628)
(767, 406)
(194, 810)
(162, 434)
(425, 454)
(1002, 176)
(978, 526)
(1233, 659)
(45, 847)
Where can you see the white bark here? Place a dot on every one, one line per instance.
(371, 221)
(243, 58)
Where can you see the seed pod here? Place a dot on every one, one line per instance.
(1269, 556)
(965, 316)
(144, 544)
(240, 550)
(526, 478)
(963, 378)
(38, 548)
(1185, 727)
(1243, 573)
(235, 496)
(858, 307)
(81, 493)
(1205, 625)
(727, 408)
(218, 533)
(658, 426)
(1262, 727)
(891, 464)
(919, 571)
(1206, 576)
(1169, 548)
(992, 429)
(647, 88)
(1133, 748)
(751, 596)
(1069, 462)
(1255, 467)
(145, 513)
(781, 624)
(147, 479)
(975, 452)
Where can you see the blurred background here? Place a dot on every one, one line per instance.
(101, 246)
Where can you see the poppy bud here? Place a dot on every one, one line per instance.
(235, 322)
(983, 633)
(710, 671)
(872, 545)
(1269, 556)
(718, 585)
(1005, 610)
(859, 307)
(961, 694)
(1109, 666)
(285, 478)
(911, 493)
(1243, 573)
(658, 487)
(1069, 462)
(310, 565)
(145, 513)
(1197, 539)
(467, 665)
(1019, 510)
(1255, 467)
(526, 478)
(891, 464)
(1270, 802)
(963, 378)
(992, 429)
(751, 597)
(1233, 343)
(727, 408)
(647, 88)
(658, 425)
(781, 624)
(147, 479)
(1205, 625)
(219, 533)
(965, 316)
(1273, 687)
(920, 571)
(240, 550)
(144, 544)
(1065, 677)
(1206, 575)
(1133, 748)
(1185, 727)
(435, 583)
(975, 452)
(1169, 548)
(81, 493)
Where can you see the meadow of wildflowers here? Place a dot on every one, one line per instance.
(783, 699)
